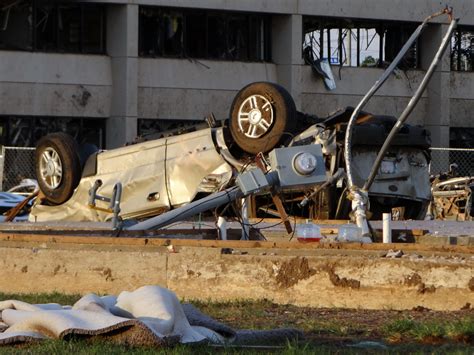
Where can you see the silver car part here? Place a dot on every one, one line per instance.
(255, 116)
(155, 176)
(283, 176)
(224, 151)
(114, 201)
(51, 168)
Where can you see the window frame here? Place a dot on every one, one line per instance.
(455, 48)
(324, 25)
(32, 43)
(265, 21)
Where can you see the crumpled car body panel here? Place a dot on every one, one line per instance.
(155, 176)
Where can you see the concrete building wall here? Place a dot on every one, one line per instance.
(461, 100)
(190, 90)
(55, 84)
(124, 87)
(397, 10)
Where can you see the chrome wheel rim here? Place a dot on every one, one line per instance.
(51, 168)
(255, 116)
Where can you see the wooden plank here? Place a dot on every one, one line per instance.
(240, 244)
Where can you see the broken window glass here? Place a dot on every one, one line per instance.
(53, 26)
(15, 26)
(161, 32)
(358, 43)
(195, 34)
(462, 49)
(93, 30)
(203, 34)
(45, 27)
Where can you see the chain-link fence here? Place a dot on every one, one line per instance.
(442, 158)
(16, 164)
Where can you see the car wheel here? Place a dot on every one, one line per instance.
(261, 115)
(58, 167)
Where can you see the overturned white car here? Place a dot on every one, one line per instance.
(155, 176)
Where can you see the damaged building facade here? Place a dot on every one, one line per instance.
(107, 71)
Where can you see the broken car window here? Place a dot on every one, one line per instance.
(203, 34)
(357, 43)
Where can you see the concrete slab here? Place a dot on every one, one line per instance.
(353, 276)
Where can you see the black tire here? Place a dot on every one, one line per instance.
(58, 167)
(261, 133)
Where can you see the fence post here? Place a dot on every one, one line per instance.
(2, 159)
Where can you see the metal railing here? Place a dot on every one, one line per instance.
(16, 164)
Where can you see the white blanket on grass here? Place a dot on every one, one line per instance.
(150, 315)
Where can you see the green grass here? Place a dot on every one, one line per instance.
(451, 330)
(325, 335)
(52, 347)
(34, 298)
(400, 326)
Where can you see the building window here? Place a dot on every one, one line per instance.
(26, 131)
(52, 26)
(179, 33)
(358, 43)
(462, 49)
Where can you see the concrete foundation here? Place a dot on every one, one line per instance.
(336, 276)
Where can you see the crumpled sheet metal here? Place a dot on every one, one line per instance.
(154, 175)
(411, 169)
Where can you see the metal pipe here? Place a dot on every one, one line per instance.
(411, 105)
(245, 219)
(115, 205)
(339, 174)
(211, 201)
(374, 89)
(359, 197)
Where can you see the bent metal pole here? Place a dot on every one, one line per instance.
(359, 196)
(411, 105)
(374, 89)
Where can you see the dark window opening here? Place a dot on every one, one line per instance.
(52, 26)
(462, 49)
(26, 131)
(203, 34)
(358, 43)
(148, 128)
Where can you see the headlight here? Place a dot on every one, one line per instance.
(304, 163)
